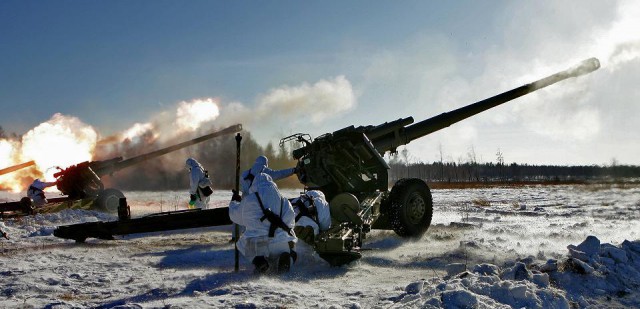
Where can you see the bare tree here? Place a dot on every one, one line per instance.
(441, 162)
(500, 163)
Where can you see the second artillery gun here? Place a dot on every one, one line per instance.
(348, 167)
(83, 188)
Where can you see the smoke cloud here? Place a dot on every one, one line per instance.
(61, 141)
(576, 115)
(317, 102)
(66, 140)
(191, 116)
(297, 105)
(288, 107)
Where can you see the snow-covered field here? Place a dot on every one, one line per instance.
(535, 247)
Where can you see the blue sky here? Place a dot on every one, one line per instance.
(116, 63)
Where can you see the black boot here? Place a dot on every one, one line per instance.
(261, 264)
(284, 262)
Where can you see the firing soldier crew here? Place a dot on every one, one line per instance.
(312, 215)
(199, 185)
(261, 165)
(36, 191)
(268, 219)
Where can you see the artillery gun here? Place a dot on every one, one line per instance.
(348, 167)
(81, 183)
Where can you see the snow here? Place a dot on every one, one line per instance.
(535, 247)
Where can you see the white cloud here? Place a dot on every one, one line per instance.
(317, 102)
(286, 108)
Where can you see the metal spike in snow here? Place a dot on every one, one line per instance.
(164, 221)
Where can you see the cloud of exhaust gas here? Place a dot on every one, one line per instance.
(137, 131)
(191, 115)
(318, 102)
(60, 142)
(9, 157)
(620, 44)
(293, 107)
(187, 117)
(65, 140)
(7, 153)
(617, 48)
(165, 128)
(578, 113)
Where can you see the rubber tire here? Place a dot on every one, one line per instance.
(411, 207)
(108, 201)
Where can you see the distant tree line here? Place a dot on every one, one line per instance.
(500, 172)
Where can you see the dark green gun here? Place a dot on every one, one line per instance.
(348, 167)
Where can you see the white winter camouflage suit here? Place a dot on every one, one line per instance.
(261, 165)
(36, 191)
(197, 180)
(255, 241)
(322, 209)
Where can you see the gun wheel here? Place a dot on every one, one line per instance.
(108, 200)
(411, 207)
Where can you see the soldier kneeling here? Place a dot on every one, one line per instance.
(312, 215)
(269, 219)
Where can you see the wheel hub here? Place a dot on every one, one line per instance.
(415, 208)
(111, 203)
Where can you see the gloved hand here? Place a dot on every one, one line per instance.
(192, 200)
(305, 233)
(236, 196)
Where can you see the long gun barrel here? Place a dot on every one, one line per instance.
(14, 168)
(392, 140)
(110, 168)
(83, 179)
